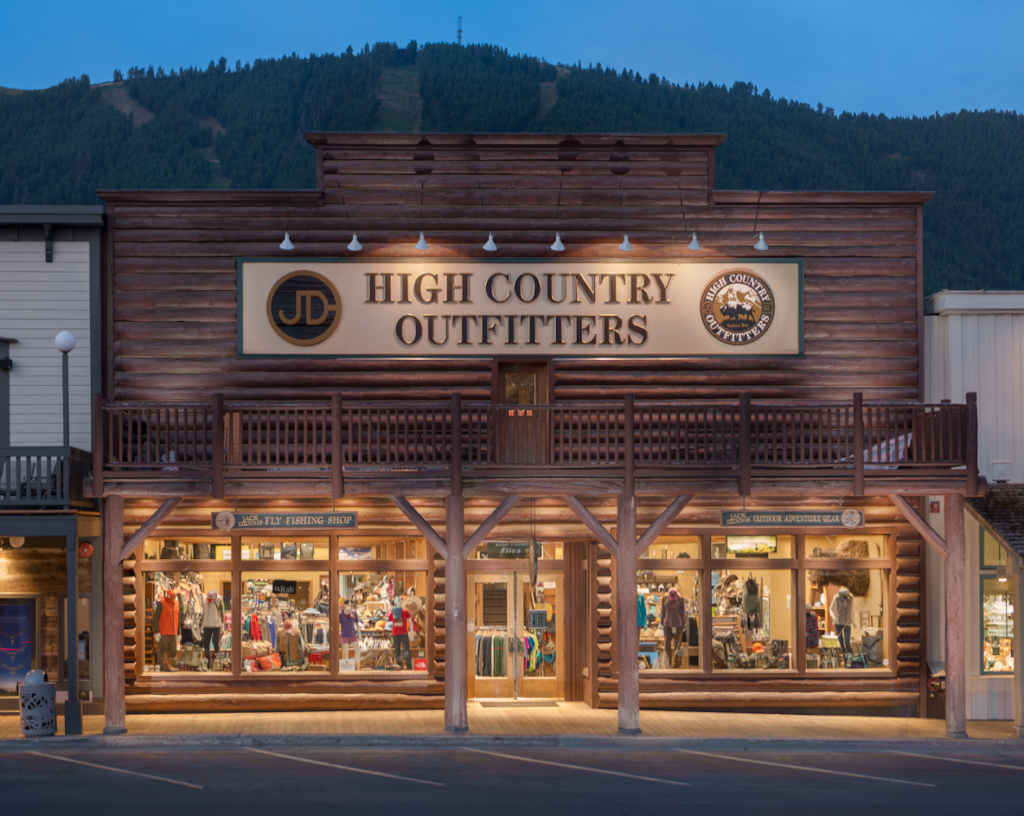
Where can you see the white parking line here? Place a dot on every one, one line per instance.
(116, 770)
(812, 770)
(579, 767)
(348, 768)
(964, 761)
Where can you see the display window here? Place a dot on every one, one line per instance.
(293, 549)
(188, 622)
(737, 546)
(846, 618)
(674, 547)
(182, 549)
(997, 610)
(365, 549)
(668, 618)
(383, 621)
(284, 621)
(852, 545)
(752, 620)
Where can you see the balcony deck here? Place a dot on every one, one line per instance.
(335, 448)
(43, 478)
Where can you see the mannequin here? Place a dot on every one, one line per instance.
(399, 619)
(673, 621)
(291, 647)
(841, 611)
(349, 618)
(168, 615)
(213, 623)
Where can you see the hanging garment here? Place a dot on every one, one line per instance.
(641, 611)
(751, 604)
(811, 629)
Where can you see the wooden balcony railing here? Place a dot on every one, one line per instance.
(43, 477)
(318, 439)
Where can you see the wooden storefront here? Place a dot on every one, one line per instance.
(618, 450)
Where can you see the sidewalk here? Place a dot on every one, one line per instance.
(509, 725)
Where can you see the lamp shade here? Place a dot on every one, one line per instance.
(490, 246)
(626, 246)
(694, 243)
(761, 244)
(558, 246)
(422, 243)
(65, 342)
(287, 242)
(354, 245)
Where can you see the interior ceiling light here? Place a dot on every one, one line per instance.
(626, 246)
(16, 541)
(694, 244)
(422, 243)
(490, 246)
(287, 242)
(761, 245)
(558, 246)
(354, 244)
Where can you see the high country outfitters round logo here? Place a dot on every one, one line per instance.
(304, 308)
(737, 307)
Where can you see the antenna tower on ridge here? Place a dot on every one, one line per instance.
(458, 31)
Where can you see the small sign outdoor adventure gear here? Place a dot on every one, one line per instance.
(226, 520)
(793, 518)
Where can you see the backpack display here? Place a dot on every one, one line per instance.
(266, 552)
(289, 552)
(872, 647)
(306, 551)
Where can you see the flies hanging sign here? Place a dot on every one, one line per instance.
(412, 308)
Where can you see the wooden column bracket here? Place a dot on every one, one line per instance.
(592, 524)
(154, 521)
(492, 521)
(421, 524)
(926, 531)
(661, 522)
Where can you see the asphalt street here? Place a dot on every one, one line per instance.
(497, 781)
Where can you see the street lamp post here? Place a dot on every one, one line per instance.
(65, 343)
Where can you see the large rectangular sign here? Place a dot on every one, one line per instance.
(793, 518)
(226, 520)
(412, 308)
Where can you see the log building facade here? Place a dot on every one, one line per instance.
(606, 432)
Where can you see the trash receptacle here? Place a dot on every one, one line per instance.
(38, 703)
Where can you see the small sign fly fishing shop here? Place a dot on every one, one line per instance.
(226, 521)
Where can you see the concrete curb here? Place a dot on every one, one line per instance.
(449, 741)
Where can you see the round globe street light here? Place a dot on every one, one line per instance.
(65, 343)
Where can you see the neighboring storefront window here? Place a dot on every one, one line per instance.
(845, 619)
(752, 624)
(188, 621)
(19, 632)
(370, 606)
(997, 611)
(281, 629)
(668, 616)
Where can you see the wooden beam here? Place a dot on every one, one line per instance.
(926, 531)
(113, 617)
(661, 522)
(956, 618)
(592, 524)
(1018, 648)
(421, 524)
(627, 635)
(162, 512)
(456, 717)
(492, 521)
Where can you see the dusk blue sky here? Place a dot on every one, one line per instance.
(898, 57)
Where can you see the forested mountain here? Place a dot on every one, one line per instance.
(243, 127)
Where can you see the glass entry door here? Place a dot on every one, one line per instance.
(514, 637)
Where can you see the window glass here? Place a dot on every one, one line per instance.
(668, 616)
(181, 549)
(286, 549)
(84, 627)
(991, 553)
(188, 621)
(752, 624)
(752, 546)
(284, 621)
(845, 621)
(366, 605)
(371, 549)
(674, 547)
(997, 619)
(846, 545)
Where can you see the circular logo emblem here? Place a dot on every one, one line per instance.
(225, 520)
(737, 307)
(304, 308)
(852, 518)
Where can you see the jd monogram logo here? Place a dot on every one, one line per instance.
(304, 308)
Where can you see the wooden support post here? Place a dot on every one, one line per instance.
(337, 474)
(956, 630)
(113, 616)
(858, 444)
(456, 717)
(972, 444)
(217, 478)
(154, 521)
(98, 446)
(626, 633)
(744, 452)
(1017, 571)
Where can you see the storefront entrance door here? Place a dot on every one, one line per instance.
(515, 632)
